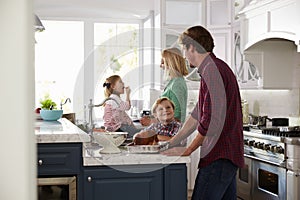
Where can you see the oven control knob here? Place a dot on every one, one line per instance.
(273, 148)
(279, 149)
(261, 145)
(256, 144)
(251, 143)
(246, 141)
(267, 147)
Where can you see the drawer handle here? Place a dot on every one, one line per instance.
(89, 179)
(40, 162)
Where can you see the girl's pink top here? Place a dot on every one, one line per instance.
(115, 113)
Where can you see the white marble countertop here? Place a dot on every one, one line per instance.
(63, 131)
(60, 131)
(93, 157)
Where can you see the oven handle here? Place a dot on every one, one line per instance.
(282, 164)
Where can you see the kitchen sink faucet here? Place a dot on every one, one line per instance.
(61, 104)
(90, 125)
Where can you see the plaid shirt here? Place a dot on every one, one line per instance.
(170, 129)
(220, 113)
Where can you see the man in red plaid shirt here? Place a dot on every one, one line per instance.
(217, 117)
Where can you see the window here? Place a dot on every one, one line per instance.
(63, 67)
(116, 51)
(58, 58)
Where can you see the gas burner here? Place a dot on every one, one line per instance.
(284, 131)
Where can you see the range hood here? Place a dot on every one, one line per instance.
(265, 19)
(275, 61)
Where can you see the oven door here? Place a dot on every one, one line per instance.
(269, 181)
(244, 180)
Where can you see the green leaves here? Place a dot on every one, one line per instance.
(47, 102)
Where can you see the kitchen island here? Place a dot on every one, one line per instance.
(65, 150)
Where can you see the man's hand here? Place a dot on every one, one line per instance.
(176, 151)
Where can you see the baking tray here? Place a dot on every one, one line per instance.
(161, 146)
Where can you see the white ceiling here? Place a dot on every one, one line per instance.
(114, 9)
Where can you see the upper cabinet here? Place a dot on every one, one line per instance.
(181, 13)
(219, 13)
(263, 19)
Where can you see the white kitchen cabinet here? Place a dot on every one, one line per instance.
(223, 44)
(219, 13)
(181, 13)
(270, 19)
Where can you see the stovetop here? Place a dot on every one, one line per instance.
(280, 131)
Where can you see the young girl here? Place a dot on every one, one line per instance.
(167, 126)
(115, 117)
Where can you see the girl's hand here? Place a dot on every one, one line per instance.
(127, 90)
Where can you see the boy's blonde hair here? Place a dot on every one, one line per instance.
(109, 83)
(158, 102)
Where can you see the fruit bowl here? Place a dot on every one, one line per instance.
(51, 115)
(110, 141)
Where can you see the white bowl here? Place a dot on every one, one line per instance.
(110, 141)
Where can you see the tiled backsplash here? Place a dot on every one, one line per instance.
(274, 103)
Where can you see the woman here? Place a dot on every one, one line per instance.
(175, 68)
(176, 90)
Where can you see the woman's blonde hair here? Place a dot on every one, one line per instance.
(109, 84)
(174, 60)
(158, 102)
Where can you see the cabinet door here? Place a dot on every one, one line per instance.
(223, 44)
(219, 13)
(124, 182)
(181, 12)
(59, 159)
(175, 182)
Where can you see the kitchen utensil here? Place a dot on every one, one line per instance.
(110, 141)
(279, 121)
(257, 120)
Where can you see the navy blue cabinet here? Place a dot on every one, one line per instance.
(137, 182)
(59, 159)
(134, 182)
(62, 161)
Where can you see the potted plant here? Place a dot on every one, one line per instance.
(47, 103)
(49, 110)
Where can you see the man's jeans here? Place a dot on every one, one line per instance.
(216, 181)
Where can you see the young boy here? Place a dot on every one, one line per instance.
(167, 126)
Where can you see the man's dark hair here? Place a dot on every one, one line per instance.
(199, 37)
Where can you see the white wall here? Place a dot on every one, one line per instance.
(17, 144)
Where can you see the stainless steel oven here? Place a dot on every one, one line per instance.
(269, 181)
(244, 180)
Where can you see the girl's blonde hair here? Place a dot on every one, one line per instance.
(174, 60)
(158, 102)
(109, 84)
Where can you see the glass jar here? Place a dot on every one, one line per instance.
(245, 111)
